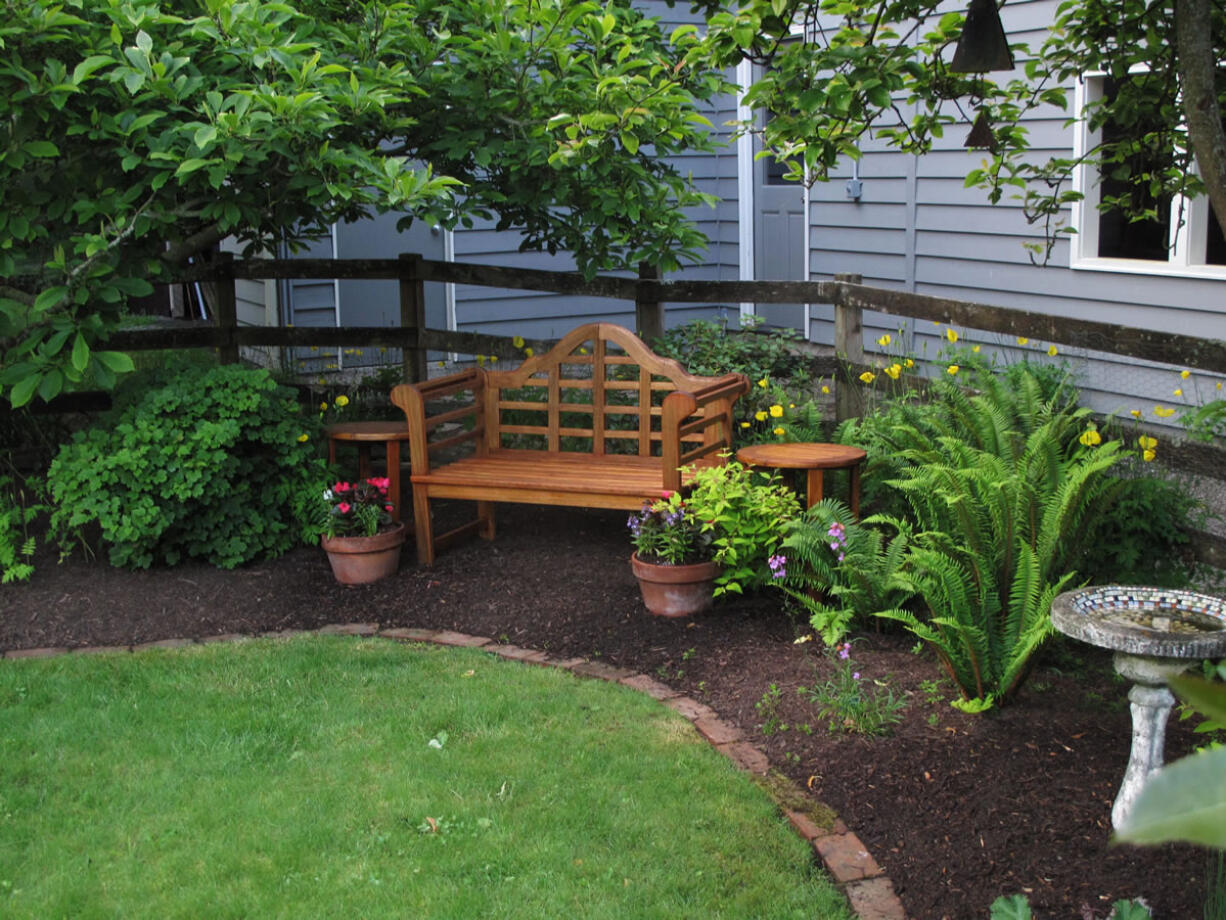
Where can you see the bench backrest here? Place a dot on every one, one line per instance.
(599, 390)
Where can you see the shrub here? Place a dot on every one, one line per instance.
(210, 463)
(745, 511)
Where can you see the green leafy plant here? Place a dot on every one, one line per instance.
(1017, 907)
(768, 709)
(850, 703)
(19, 507)
(668, 533)
(211, 463)
(841, 572)
(994, 545)
(744, 511)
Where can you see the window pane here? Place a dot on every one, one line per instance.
(1215, 243)
(1120, 237)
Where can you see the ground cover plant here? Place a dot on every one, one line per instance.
(324, 776)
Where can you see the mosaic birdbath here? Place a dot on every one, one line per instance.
(1155, 633)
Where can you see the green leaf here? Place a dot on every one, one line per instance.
(1013, 907)
(630, 142)
(88, 66)
(1207, 697)
(41, 149)
(23, 391)
(117, 361)
(80, 353)
(189, 166)
(51, 385)
(49, 298)
(1183, 801)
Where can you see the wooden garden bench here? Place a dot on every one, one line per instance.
(599, 421)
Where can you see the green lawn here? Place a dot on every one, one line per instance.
(333, 777)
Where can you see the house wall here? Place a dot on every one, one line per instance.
(917, 228)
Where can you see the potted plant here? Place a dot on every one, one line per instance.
(357, 531)
(672, 558)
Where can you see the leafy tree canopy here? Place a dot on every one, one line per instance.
(137, 133)
(882, 69)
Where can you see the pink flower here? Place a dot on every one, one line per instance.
(666, 493)
(387, 507)
(343, 507)
(341, 487)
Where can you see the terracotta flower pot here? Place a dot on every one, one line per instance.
(675, 590)
(361, 560)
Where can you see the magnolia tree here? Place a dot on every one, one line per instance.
(882, 69)
(135, 134)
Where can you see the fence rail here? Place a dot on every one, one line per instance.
(849, 297)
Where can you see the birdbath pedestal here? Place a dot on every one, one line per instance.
(1155, 633)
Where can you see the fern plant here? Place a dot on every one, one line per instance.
(996, 541)
(841, 575)
(18, 509)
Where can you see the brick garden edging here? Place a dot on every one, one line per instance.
(870, 893)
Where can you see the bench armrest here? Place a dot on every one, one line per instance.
(706, 412)
(412, 397)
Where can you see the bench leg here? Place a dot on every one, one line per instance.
(423, 527)
(485, 515)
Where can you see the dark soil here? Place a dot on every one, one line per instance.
(958, 809)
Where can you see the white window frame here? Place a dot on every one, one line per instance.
(1083, 251)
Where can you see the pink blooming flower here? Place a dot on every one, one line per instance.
(387, 507)
(666, 493)
(341, 487)
(343, 507)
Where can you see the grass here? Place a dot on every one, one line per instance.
(332, 777)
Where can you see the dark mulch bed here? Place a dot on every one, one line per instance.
(958, 809)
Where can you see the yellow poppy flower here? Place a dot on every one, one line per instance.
(952, 370)
(762, 383)
(884, 340)
(1053, 350)
(894, 370)
(528, 352)
(1090, 438)
(303, 438)
(760, 415)
(1147, 443)
(481, 359)
(825, 390)
(1022, 340)
(975, 349)
(1163, 412)
(518, 341)
(868, 377)
(1148, 456)
(323, 407)
(909, 363)
(1178, 391)
(1185, 374)
(744, 424)
(342, 400)
(776, 411)
(1135, 413)
(582, 350)
(779, 431)
(952, 335)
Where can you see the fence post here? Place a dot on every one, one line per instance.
(648, 316)
(413, 316)
(849, 346)
(225, 308)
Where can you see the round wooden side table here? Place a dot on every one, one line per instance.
(364, 434)
(814, 458)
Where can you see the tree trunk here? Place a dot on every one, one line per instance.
(1198, 72)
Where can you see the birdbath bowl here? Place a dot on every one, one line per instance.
(1155, 633)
